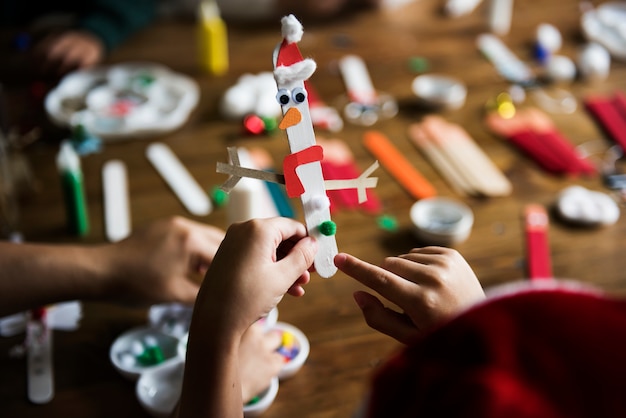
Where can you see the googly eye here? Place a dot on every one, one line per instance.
(283, 97)
(298, 95)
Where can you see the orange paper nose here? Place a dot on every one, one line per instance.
(292, 117)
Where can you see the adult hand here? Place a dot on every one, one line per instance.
(429, 284)
(158, 264)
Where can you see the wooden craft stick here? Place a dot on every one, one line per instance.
(398, 166)
(463, 153)
(116, 207)
(448, 171)
(179, 179)
(537, 249)
(357, 80)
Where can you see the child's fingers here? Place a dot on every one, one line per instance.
(385, 320)
(386, 283)
(300, 258)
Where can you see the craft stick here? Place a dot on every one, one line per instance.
(504, 60)
(397, 165)
(179, 179)
(559, 145)
(531, 145)
(290, 72)
(357, 80)
(445, 167)
(619, 102)
(250, 198)
(463, 153)
(537, 249)
(39, 362)
(534, 133)
(610, 118)
(116, 207)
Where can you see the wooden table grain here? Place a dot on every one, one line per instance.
(344, 351)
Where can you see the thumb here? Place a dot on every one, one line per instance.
(300, 257)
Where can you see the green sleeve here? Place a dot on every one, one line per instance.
(115, 20)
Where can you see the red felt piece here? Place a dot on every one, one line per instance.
(292, 161)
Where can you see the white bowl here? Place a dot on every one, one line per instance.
(441, 221)
(121, 352)
(265, 400)
(158, 389)
(303, 347)
(439, 91)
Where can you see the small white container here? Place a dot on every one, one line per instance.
(439, 91)
(158, 389)
(265, 400)
(301, 342)
(122, 356)
(441, 221)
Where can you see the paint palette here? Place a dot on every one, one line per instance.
(123, 101)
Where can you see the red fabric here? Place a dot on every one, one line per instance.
(541, 354)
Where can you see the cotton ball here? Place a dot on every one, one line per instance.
(237, 102)
(561, 69)
(549, 37)
(319, 202)
(594, 62)
(582, 206)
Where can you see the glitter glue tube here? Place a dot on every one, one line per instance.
(68, 164)
(212, 39)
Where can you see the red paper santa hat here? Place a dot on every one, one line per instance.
(535, 354)
(288, 62)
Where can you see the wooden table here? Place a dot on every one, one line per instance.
(344, 351)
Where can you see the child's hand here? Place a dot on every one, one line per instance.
(429, 284)
(59, 53)
(259, 360)
(258, 262)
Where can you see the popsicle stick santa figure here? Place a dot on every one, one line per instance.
(302, 171)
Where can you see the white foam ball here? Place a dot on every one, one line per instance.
(594, 61)
(583, 206)
(561, 68)
(549, 37)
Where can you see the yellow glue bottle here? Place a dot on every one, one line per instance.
(212, 39)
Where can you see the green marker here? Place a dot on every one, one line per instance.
(68, 164)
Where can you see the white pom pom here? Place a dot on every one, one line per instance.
(549, 37)
(594, 62)
(291, 29)
(561, 68)
(580, 205)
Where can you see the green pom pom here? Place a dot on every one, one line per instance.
(271, 124)
(219, 197)
(387, 222)
(328, 228)
(418, 64)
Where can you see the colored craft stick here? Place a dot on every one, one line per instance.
(398, 166)
(458, 157)
(534, 133)
(538, 260)
(611, 115)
